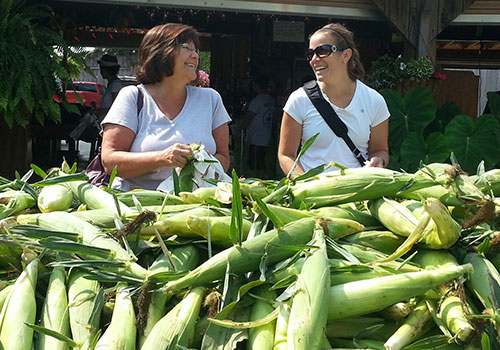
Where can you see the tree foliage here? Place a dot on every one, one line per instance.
(36, 63)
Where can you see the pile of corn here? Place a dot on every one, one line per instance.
(355, 259)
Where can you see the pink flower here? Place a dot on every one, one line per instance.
(204, 78)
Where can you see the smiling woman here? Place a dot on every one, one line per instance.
(335, 61)
(149, 128)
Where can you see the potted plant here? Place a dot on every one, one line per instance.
(36, 62)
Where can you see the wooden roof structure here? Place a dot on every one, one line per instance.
(455, 33)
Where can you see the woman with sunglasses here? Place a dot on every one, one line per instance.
(147, 132)
(338, 69)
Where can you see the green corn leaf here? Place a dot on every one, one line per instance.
(73, 169)
(138, 205)
(54, 334)
(112, 177)
(251, 324)
(64, 245)
(484, 247)
(117, 204)
(109, 277)
(63, 178)
(186, 177)
(236, 230)
(34, 231)
(89, 264)
(175, 177)
(304, 148)
(38, 171)
(267, 212)
(331, 244)
(313, 172)
(485, 342)
(96, 310)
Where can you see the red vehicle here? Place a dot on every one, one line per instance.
(90, 93)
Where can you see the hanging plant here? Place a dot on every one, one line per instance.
(36, 64)
(389, 72)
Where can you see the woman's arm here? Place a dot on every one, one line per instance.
(221, 136)
(290, 136)
(116, 143)
(378, 147)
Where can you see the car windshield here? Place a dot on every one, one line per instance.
(84, 87)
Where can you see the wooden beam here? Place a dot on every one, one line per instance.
(420, 21)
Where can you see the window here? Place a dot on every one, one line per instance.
(85, 87)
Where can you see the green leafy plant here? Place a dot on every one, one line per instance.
(388, 72)
(421, 132)
(36, 63)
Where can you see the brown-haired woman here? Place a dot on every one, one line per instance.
(145, 145)
(336, 64)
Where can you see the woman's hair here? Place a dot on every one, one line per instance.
(345, 38)
(158, 49)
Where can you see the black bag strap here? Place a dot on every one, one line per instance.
(331, 118)
(140, 100)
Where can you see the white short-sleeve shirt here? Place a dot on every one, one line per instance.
(202, 113)
(366, 110)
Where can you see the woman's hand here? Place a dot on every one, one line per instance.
(177, 155)
(377, 162)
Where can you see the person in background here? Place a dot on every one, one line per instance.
(258, 125)
(338, 70)
(109, 67)
(146, 145)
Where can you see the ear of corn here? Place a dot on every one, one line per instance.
(412, 328)
(95, 198)
(484, 283)
(185, 258)
(3, 295)
(176, 328)
(280, 335)
(247, 257)
(57, 197)
(451, 311)
(20, 308)
(397, 312)
(120, 334)
(262, 337)
(90, 235)
(55, 312)
(356, 185)
(383, 241)
(13, 202)
(177, 224)
(215, 228)
(393, 215)
(82, 298)
(307, 322)
(349, 300)
(148, 198)
(200, 195)
(447, 229)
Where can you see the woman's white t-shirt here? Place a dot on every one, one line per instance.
(366, 110)
(202, 113)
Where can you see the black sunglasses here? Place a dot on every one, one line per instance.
(323, 51)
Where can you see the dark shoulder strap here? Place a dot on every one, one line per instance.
(140, 100)
(331, 118)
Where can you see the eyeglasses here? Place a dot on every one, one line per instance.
(195, 50)
(323, 51)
